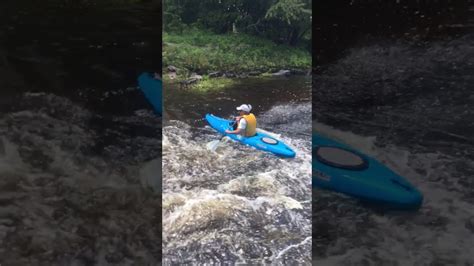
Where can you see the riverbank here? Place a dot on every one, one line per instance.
(194, 55)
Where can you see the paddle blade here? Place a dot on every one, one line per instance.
(215, 143)
(212, 146)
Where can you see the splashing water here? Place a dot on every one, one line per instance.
(71, 194)
(237, 204)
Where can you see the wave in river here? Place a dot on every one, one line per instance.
(70, 186)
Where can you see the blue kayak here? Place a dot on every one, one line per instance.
(153, 90)
(260, 141)
(340, 168)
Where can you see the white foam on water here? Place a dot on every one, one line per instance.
(281, 253)
(56, 192)
(252, 203)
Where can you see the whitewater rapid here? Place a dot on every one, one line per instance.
(237, 204)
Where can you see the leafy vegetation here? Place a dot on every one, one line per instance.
(235, 37)
(208, 84)
(282, 21)
(203, 51)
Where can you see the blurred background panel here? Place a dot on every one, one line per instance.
(80, 146)
(392, 79)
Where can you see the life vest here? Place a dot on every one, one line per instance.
(251, 128)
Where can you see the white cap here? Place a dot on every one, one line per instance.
(245, 108)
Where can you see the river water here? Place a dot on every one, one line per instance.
(237, 204)
(408, 103)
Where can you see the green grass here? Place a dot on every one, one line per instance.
(207, 84)
(204, 52)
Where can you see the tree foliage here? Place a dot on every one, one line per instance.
(291, 11)
(282, 21)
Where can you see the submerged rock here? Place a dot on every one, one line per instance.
(215, 74)
(299, 72)
(282, 73)
(189, 81)
(172, 69)
(254, 73)
(196, 76)
(229, 75)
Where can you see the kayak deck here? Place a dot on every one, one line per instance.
(260, 141)
(369, 180)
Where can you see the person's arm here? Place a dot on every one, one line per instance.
(237, 131)
(240, 128)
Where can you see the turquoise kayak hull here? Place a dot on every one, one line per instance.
(279, 148)
(153, 90)
(373, 182)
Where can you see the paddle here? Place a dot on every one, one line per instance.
(212, 145)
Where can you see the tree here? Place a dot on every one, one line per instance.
(295, 14)
(285, 21)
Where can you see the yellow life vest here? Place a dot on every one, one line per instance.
(251, 128)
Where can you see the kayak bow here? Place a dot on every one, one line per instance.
(153, 90)
(340, 168)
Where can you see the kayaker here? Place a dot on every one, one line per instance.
(245, 123)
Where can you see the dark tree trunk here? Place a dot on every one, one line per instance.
(294, 37)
